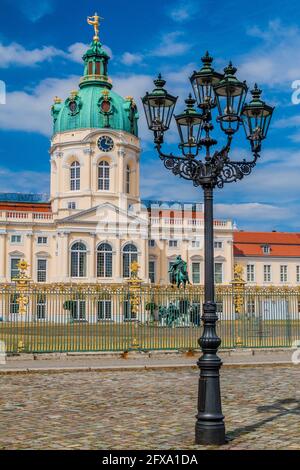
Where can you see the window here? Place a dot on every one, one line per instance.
(42, 240)
(250, 273)
(251, 307)
(14, 270)
(97, 68)
(266, 249)
(218, 273)
(103, 176)
(78, 260)
(297, 273)
(283, 273)
(129, 255)
(71, 205)
(41, 307)
(196, 272)
(127, 179)
(104, 260)
(218, 245)
(152, 271)
(195, 244)
(128, 313)
(267, 273)
(41, 270)
(13, 304)
(173, 243)
(78, 310)
(15, 239)
(104, 310)
(75, 176)
(151, 243)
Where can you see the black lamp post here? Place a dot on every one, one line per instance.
(226, 93)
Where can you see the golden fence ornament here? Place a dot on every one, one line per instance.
(22, 283)
(134, 285)
(238, 285)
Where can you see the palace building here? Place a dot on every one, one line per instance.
(94, 222)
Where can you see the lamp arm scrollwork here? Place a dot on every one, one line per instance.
(217, 170)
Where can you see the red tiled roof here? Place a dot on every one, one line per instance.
(25, 206)
(282, 244)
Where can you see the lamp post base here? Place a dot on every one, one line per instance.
(206, 434)
(210, 427)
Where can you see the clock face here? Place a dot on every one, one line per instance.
(105, 143)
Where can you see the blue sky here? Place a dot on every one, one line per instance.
(41, 44)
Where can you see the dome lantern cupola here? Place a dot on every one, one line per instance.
(95, 105)
(95, 66)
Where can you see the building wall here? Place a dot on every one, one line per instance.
(275, 263)
(81, 146)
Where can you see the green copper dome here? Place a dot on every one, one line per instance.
(95, 105)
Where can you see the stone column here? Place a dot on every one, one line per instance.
(3, 255)
(30, 260)
(91, 273)
(62, 257)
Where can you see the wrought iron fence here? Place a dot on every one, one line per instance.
(60, 318)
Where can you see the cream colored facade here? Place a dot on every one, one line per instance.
(94, 223)
(269, 271)
(114, 216)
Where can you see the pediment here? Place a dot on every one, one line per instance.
(17, 254)
(106, 213)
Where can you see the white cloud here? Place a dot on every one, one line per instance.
(184, 10)
(170, 45)
(76, 51)
(257, 216)
(30, 111)
(23, 181)
(250, 211)
(130, 59)
(136, 85)
(275, 61)
(39, 100)
(16, 55)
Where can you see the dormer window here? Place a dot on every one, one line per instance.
(266, 249)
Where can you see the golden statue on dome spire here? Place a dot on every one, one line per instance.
(94, 21)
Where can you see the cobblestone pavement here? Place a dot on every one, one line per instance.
(146, 409)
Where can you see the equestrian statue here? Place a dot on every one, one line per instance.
(178, 271)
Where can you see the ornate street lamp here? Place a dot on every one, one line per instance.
(227, 94)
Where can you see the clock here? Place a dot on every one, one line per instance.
(105, 143)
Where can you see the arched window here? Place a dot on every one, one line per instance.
(103, 176)
(104, 260)
(129, 255)
(75, 176)
(128, 179)
(78, 260)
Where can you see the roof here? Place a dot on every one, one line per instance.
(282, 244)
(25, 206)
(95, 105)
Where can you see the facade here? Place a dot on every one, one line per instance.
(268, 258)
(94, 224)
